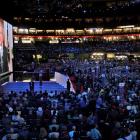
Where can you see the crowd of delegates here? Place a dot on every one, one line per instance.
(105, 106)
(88, 46)
(24, 57)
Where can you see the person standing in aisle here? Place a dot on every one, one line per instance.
(68, 85)
(40, 78)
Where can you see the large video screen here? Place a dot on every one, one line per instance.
(6, 46)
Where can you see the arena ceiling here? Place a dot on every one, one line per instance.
(70, 13)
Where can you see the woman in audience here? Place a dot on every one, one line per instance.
(43, 133)
(95, 133)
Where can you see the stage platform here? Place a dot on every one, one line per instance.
(23, 86)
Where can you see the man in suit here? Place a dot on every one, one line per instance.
(68, 85)
(31, 84)
(40, 77)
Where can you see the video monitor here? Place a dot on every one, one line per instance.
(6, 47)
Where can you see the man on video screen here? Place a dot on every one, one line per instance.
(1, 45)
